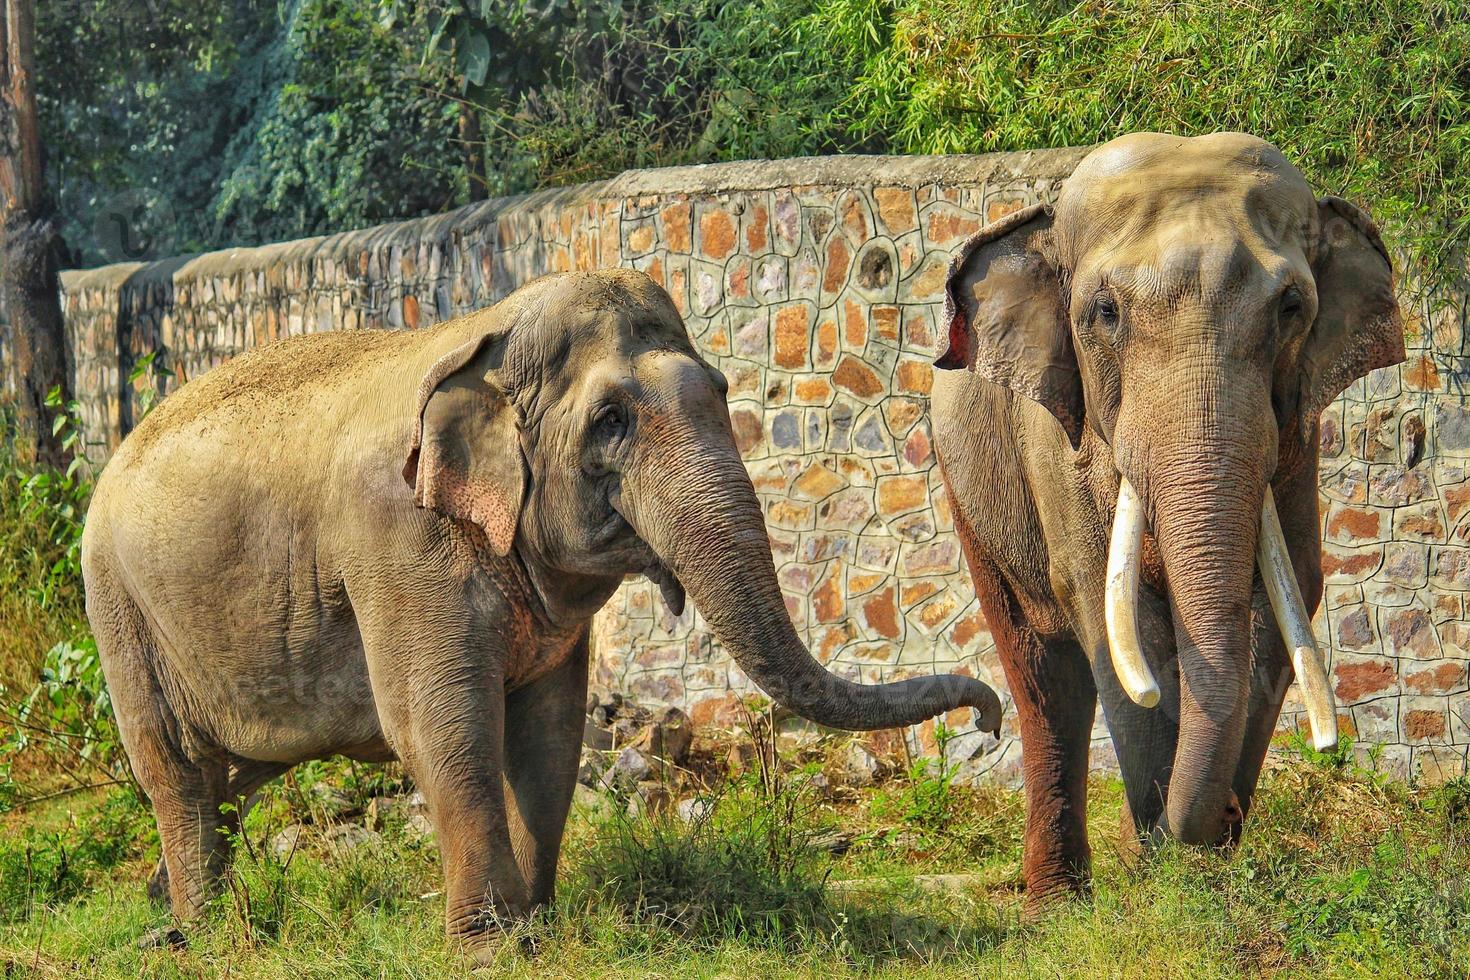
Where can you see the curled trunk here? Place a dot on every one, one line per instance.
(696, 508)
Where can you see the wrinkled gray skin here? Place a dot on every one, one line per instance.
(1181, 317)
(391, 544)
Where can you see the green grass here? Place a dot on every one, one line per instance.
(1340, 875)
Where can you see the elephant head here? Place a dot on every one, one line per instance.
(580, 429)
(1195, 306)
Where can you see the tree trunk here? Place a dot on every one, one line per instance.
(472, 141)
(33, 347)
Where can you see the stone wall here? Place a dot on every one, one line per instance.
(816, 286)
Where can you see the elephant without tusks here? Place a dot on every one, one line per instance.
(390, 544)
(1131, 458)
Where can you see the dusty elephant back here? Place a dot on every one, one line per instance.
(264, 386)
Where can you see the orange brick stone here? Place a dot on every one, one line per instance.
(885, 322)
(716, 234)
(855, 218)
(947, 226)
(838, 259)
(739, 287)
(855, 326)
(881, 612)
(676, 227)
(833, 639)
(640, 239)
(999, 209)
(1424, 723)
(896, 209)
(1423, 524)
(1353, 566)
(855, 376)
(1456, 501)
(812, 391)
(898, 494)
(756, 238)
(860, 582)
(915, 377)
(966, 629)
(938, 612)
(829, 601)
(826, 342)
(901, 413)
(1358, 680)
(916, 592)
(1355, 524)
(818, 482)
(410, 311)
(1421, 374)
(718, 341)
(1438, 680)
(917, 333)
(792, 330)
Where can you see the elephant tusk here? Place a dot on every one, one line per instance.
(1121, 605)
(1279, 577)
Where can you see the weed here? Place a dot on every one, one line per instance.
(45, 867)
(747, 863)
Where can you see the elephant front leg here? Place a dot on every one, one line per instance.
(1144, 738)
(1271, 675)
(543, 734)
(1055, 699)
(457, 759)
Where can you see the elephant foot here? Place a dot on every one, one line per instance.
(495, 950)
(1048, 894)
(163, 937)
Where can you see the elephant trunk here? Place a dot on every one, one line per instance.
(1205, 519)
(1197, 478)
(690, 498)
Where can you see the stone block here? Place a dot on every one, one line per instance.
(897, 210)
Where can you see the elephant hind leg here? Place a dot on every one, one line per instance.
(186, 779)
(247, 777)
(1056, 699)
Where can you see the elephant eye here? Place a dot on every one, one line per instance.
(1291, 304)
(610, 422)
(1107, 311)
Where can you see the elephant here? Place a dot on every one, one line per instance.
(1127, 421)
(390, 544)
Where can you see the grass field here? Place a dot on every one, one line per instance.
(1341, 875)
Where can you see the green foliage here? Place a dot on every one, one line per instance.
(1339, 876)
(53, 504)
(1371, 100)
(45, 867)
(68, 714)
(925, 801)
(353, 129)
(249, 122)
(138, 102)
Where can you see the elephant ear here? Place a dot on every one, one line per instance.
(1358, 327)
(1005, 317)
(465, 459)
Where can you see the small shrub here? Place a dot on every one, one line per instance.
(748, 864)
